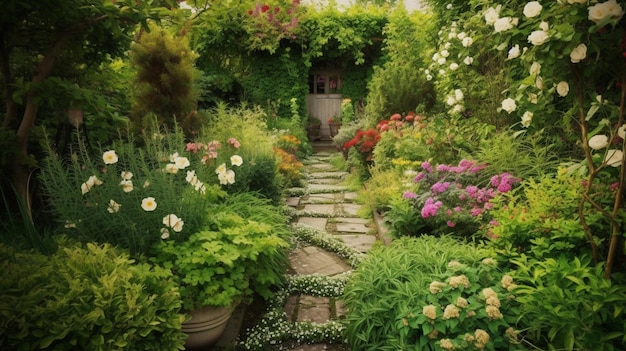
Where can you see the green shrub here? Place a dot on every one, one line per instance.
(567, 304)
(388, 290)
(381, 189)
(86, 298)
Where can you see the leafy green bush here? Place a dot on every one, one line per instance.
(381, 189)
(392, 284)
(543, 219)
(567, 304)
(87, 298)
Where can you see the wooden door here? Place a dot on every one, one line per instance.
(324, 99)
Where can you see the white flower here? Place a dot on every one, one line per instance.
(221, 168)
(538, 37)
(514, 52)
(109, 157)
(577, 1)
(441, 61)
(492, 15)
(527, 118)
(173, 222)
(579, 53)
(113, 206)
(171, 168)
(544, 26)
(533, 98)
(598, 142)
(90, 183)
(562, 88)
(429, 77)
(468, 60)
(236, 160)
(445, 53)
(146, 184)
(451, 100)
(539, 83)
(621, 131)
(467, 42)
(614, 158)
(505, 23)
(448, 45)
(532, 9)
(458, 108)
(227, 177)
(454, 66)
(191, 178)
(435, 56)
(181, 162)
(148, 204)
(449, 6)
(165, 234)
(461, 35)
(126, 175)
(535, 68)
(458, 94)
(600, 12)
(127, 185)
(173, 157)
(442, 72)
(508, 105)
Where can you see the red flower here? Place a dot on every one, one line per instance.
(265, 8)
(395, 117)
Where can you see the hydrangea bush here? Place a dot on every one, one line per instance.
(450, 198)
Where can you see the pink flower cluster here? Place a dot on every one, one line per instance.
(452, 187)
(210, 149)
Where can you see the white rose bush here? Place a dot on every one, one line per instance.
(562, 71)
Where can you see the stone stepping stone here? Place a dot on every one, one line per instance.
(351, 196)
(320, 199)
(351, 209)
(315, 222)
(359, 242)
(312, 259)
(292, 201)
(320, 166)
(332, 181)
(359, 228)
(325, 188)
(352, 220)
(320, 175)
(325, 209)
(313, 309)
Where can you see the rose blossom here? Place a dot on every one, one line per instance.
(527, 118)
(538, 37)
(508, 105)
(599, 12)
(532, 9)
(514, 52)
(562, 88)
(505, 23)
(579, 53)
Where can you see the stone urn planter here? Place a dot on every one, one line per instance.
(206, 326)
(334, 128)
(313, 131)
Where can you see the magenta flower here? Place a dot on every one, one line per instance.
(426, 166)
(409, 195)
(431, 207)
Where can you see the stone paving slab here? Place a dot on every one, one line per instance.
(355, 220)
(322, 188)
(313, 309)
(331, 181)
(320, 198)
(321, 166)
(327, 209)
(351, 209)
(292, 201)
(311, 259)
(315, 222)
(319, 175)
(352, 228)
(359, 242)
(352, 196)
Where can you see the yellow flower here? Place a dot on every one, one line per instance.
(459, 280)
(148, 204)
(436, 287)
(493, 312)
(488, 292)
(446, 344)
(461, 302)
(506, 281)
(451, 311)
(109, 157)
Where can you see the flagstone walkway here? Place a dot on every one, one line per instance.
(329, 207)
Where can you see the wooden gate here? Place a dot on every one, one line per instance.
(324, 99)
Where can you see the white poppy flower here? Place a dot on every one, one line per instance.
(109, 157)
(165, 234)
(113, 206)
(181, 162)
(148, 204)
(127, 185)
(171, 168)
(236, 160)
(126, 175)
(621, 131)
(614, 157)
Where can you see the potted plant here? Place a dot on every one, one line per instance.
(313, 128)
(333, 126)
(221, 266)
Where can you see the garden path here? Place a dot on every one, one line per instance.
(329, 207)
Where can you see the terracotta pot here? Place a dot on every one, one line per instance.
(206, 326)
(334, 128)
